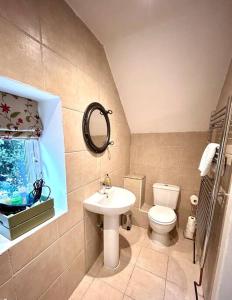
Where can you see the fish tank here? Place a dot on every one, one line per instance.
(19, 167)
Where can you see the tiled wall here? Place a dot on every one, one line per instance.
(220, 208)
(168, 158)
(226, 89)
(45, 45)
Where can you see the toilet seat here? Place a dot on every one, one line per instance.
(162, 215)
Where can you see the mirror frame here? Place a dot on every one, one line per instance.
(86, 130)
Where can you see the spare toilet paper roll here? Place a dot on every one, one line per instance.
(191, 220)
(191, 224)
(194, 200)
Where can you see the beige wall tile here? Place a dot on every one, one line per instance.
(139, 218)
(227, 88)
(73, 136)
(117, 177)
(71, 244)
(43, 271)
(92, 250)
(112, 159)
(88, 90)
(75, 211)
(73, 275)
(136, 187)
(22, 253)
(7, 291)
(67, 39)
(93, 53)
(184, 207)
(5, 268)
(55, 291)
(20, 56)
(91, 230)
(60, 78)
(81, 168)
(23, 14)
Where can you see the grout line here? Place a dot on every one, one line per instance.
(82, 297)
(21, 30)
(135, 265)
(166, 279)
(150, 272)
(73, 109)
(42, 252)
(69, 229)
(59, 277)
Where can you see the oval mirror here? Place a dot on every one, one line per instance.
(96, 127)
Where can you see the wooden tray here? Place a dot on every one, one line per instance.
(16, 225)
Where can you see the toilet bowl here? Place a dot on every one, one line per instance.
(162, 217)
(162, 220)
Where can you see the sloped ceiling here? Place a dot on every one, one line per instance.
(168, 58)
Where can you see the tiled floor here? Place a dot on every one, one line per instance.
(146, 271)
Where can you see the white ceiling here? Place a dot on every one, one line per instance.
(168, 58)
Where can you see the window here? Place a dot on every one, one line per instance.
(19, 166)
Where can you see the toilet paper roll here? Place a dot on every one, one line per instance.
(191, 224)
(191, 220)
(194, 200)
(188, 235)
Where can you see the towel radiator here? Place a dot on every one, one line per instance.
(219, 132)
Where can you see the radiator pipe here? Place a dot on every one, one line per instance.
(196, 284)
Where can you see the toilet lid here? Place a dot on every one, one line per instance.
(162, 214)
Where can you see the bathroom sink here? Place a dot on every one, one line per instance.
(115, 201)
(111, 203)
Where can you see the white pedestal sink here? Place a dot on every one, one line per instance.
(112, 204)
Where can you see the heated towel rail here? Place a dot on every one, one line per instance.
(220, 131)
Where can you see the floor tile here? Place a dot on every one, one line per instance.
(99, 290)
(117, 278)
(153, 261)
(178, 245)
(96, 267)
(144, 285)
(182, 272)
(82, 288)
(134, 236)
(130, 254)
(127, 298)
(143, 263)
(173, 292)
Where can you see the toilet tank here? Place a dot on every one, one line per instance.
(166, 194)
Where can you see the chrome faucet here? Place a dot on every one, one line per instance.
(106, 184)
(102, 188)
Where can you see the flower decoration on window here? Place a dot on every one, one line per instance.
(19, 117)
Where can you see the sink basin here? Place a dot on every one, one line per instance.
(114, 202)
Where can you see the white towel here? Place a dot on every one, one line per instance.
(207, 158)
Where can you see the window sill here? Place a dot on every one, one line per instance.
(6, 244)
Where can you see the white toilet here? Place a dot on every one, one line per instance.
(162, 217)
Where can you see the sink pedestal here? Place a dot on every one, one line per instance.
(111, 241)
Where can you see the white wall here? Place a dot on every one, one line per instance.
(168, 58)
